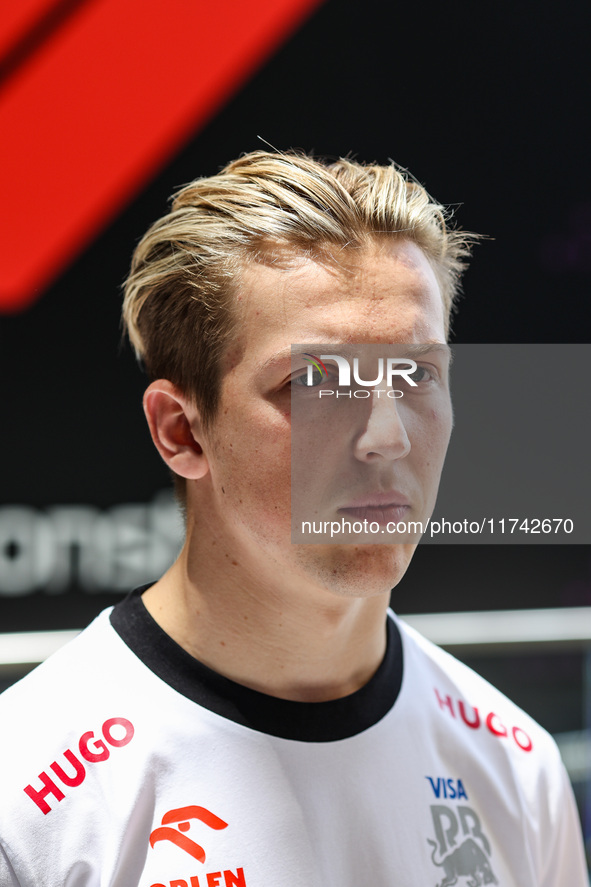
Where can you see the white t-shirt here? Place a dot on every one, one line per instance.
(124, 762)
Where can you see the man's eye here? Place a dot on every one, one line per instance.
(421, 374)
(310, 379)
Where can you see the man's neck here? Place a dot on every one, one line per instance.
(282, 637)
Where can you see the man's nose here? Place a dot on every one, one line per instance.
(384, 435)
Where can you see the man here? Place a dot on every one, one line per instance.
(256, 717)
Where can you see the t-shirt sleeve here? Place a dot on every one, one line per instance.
(565, 856)
(7, 875)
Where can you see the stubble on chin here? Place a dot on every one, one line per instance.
(359, 571)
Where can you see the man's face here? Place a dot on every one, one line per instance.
(365, 443)
(382, 296)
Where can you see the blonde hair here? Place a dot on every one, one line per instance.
(178, 296)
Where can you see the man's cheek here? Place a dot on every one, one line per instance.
(435, 431)
(266, 481)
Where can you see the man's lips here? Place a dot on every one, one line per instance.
(391, 498)
(381, 508)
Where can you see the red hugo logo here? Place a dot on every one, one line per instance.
(91, 750)
(492, 721)
(181, 817)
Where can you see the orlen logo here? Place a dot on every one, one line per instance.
(181, 817)
(91, 750)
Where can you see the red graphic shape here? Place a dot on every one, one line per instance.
(180, 815)
(170, 834)
(102, 104)
(20, 20)
(192, 812)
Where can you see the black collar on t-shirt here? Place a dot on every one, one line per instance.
(303, 721)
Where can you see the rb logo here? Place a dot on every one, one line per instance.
(470, 858)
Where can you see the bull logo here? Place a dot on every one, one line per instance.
(181, 816)
(469, 859)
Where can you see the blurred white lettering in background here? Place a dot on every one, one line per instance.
(68, 546)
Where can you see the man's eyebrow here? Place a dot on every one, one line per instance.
(429, 348)
(283, 355)
(304, 351)
(349, 351)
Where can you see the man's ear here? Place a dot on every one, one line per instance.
(175, 427)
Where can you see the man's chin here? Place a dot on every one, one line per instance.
(356, 570)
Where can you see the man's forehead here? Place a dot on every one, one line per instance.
(335, 274)
(382, 292)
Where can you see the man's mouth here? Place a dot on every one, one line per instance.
(381, 508)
